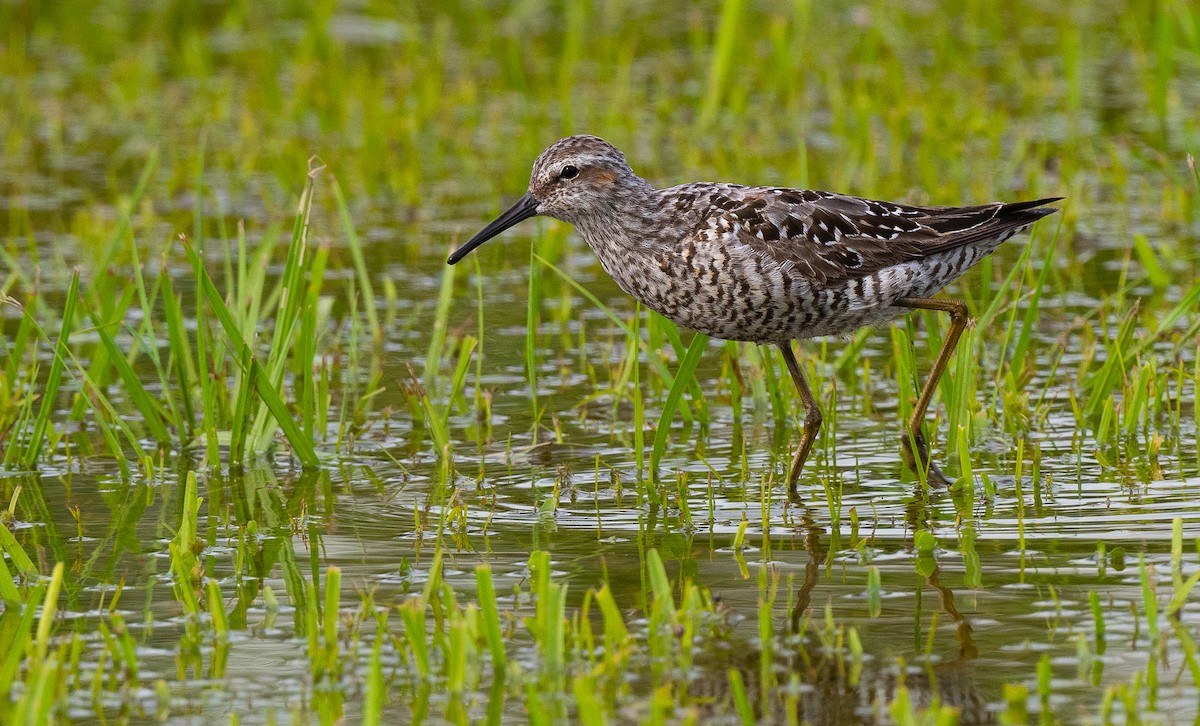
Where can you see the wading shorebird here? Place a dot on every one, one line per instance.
(767, 265)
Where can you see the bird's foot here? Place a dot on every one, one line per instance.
(916, 457)
(794, 481)
(811, 426)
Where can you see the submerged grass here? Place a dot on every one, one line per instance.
(155, 400)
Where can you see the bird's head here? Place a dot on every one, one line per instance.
(573, 179)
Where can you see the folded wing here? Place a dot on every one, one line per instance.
(833, 237)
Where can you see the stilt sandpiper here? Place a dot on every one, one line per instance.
(767, 264)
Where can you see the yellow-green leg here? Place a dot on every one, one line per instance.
(916, 452)
(812, 419)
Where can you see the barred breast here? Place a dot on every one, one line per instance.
(732, 292)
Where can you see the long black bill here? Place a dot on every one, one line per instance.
(524, 208)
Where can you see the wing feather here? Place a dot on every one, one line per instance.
(834, 237)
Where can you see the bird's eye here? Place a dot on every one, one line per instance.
(569, 172)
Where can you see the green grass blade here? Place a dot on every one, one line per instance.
(486, 595)
(437, 338)
(8, 589)
(42, 423)
(138, 394)
(181, 350)
(9, 544)
(360, 264)
(723, 58)
(532, 317)
(687, 368)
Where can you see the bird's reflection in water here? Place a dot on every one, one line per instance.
(832, 695)
(831, 691)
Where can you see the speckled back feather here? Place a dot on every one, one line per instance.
(829, 237)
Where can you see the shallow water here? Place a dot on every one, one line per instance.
(990, 609)
(1019, 546)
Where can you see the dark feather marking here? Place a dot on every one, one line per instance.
(832, 237)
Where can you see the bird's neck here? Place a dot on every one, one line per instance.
(629, 220)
